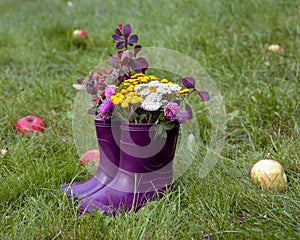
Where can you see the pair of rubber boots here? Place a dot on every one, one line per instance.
(134, 168)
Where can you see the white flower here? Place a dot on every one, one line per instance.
(153, 83)
(153, 97)
(154, 100)
(150, 84)
(164, 89)
(151, 106)
(168, 88)
(144, 92)
(164, 102)
(174, 87)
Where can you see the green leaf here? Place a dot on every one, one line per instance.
(162, 116)
(167, 126)
(232, 115)
(122, 86)
(141, 118)
(160, 132)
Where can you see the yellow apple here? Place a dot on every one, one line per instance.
(275, 48)
(268, 174)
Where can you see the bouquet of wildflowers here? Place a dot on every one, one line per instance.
(126, 89)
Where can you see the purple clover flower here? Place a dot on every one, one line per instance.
(183, 116)
(105, 107)
(103, 117)
(172, 111)
(104, 110)
(109, 91)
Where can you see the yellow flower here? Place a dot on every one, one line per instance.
(134, 100)
(126, 100)
(130, 94)
(119, 95)
(184, 91)
(115, 100)
(139, 99)
(152, 77)
(144, 80)
(123, 91)
(130, 88)
(164, 81)
(124, 104)
(139, 75)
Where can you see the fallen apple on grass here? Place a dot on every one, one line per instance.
(269, 174)
(90, 160)
(275, 48)
(90, 156)
(79, 38)
(80, 34)
(29, 124)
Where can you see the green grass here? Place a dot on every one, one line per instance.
(39, 63)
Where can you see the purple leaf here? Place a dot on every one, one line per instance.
(126, 57)
(126, 54)
(80, 80)
(91, 90)
(139, 65)
(204, 95)
(120, 45)
(118, 32)
(91, 112)
(188, 82)
(78, 86)
(133, 39)
(114, 62)
(127, 30)
(117, 37)
(137, 48)
(189, 110)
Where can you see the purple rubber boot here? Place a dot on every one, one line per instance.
(145, 171)
(109, 162)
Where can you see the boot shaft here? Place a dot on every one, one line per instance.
(108, 135)
(140, 152)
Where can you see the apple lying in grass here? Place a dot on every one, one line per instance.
(90, 157)
(269, 174)
(80, 34)
(29, 124)
(275, 48)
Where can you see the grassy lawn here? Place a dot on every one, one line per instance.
(261, 91)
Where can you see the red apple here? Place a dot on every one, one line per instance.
(80, 34)
(268, 174)
(29, 124)
(91, 156)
